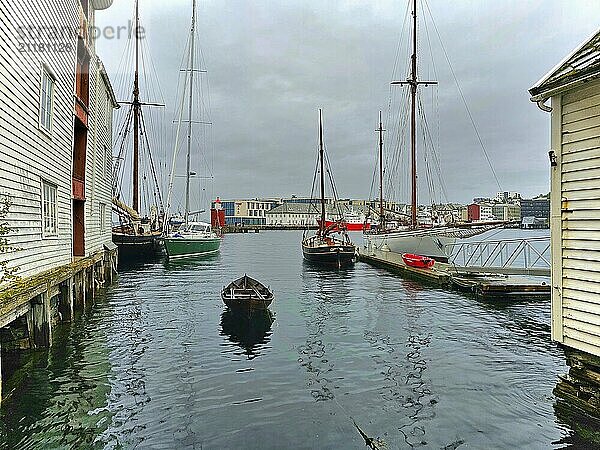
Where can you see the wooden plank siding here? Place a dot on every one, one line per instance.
(99, 162)
(28, 154)
(577, 142)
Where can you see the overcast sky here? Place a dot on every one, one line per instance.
(272, 64)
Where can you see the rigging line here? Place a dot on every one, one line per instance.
(428, 174)
(400, 41)
(374, 175)
(312, 190)
(399, 143)
(434, 91)
(464, 100)
(176, 144)
(436, 160)
(120, 162)
(401, 48)
(315, 174)
(333, 186)
(151, 162)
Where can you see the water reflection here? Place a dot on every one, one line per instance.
(250, 330)
(325, 305)
(191, 262)
(52, 392)
(406, 389)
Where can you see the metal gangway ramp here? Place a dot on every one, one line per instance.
(516, 256)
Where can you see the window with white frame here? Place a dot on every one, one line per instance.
(49, 209)
(102, 216)
(46, 100)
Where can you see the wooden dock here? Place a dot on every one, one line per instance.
(259, 228)
(481, 284)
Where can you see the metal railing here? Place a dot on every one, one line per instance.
(508, 255)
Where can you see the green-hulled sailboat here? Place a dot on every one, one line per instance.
(193, 238)
(196, 239)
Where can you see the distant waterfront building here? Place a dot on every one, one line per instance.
(293, 214)
(538, 209)
(507, 212)
(306, 200)
(248, 211)
(56, 121)
(473, 212)
(507, 197)
(480, 212)
(573, 88)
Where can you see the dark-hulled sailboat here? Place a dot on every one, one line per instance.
(136, 236)
(330, 245)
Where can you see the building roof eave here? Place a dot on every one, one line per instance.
(567, 74)
(109, 88)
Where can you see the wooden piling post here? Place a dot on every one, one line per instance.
(71, 288)
(38, 321)
(83, 277)
(66, 300)
(0, 372)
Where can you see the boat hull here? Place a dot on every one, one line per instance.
(333, 255)
(351, 226)
(136, 247)
(238, 304)
(246, 293)
(418, 261)
(427, 243)
(177, 247)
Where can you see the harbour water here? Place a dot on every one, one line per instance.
(157, 362)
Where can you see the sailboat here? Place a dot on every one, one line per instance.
(330, 245)
(435, 241)
(193, 238)
(137, 237)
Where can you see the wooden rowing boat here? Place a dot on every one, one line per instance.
(246, 292)
(421, 262)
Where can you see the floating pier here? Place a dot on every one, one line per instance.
(483, 282)
(259, 228)
(31, 306)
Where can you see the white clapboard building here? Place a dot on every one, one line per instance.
(571, 92)
(56, 107)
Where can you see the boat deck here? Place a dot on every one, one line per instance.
(488, 285)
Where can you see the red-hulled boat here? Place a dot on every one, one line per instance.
(350, 225)
(421, 262)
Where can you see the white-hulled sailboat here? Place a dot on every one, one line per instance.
(433, 241)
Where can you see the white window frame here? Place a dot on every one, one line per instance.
(49, 209)
(102, 216)
(46, 102)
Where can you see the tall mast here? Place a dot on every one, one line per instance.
(190, 107)
(136, 112)
(413, 82)
(381, 216)
(413, 121)
(321, 156)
